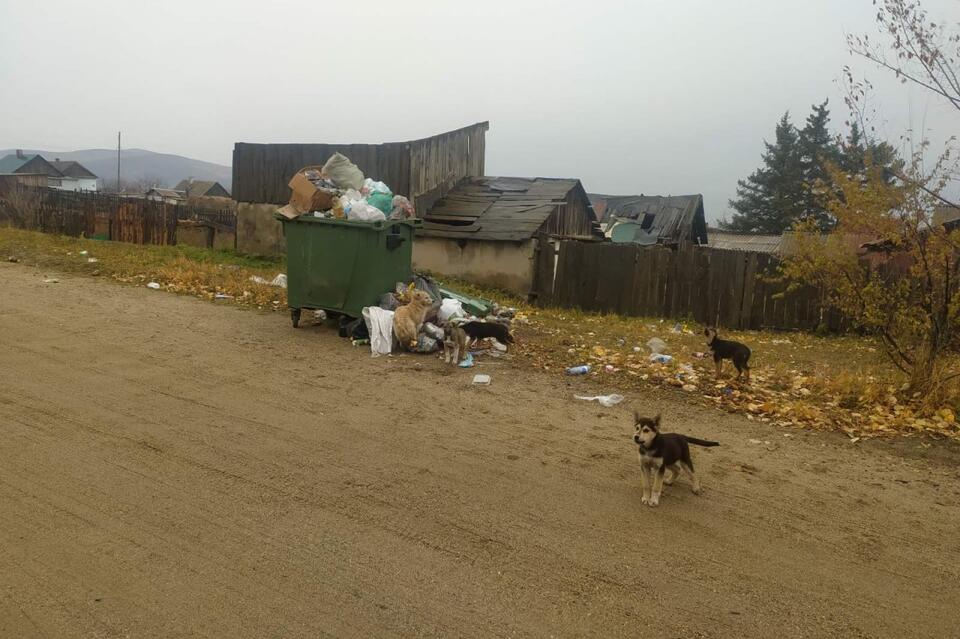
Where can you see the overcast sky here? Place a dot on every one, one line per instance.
(646, 96)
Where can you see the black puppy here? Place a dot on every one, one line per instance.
(728, 349)
(660, 452)
(483, 330)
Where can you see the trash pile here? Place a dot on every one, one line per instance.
(447, 311)
(339, 190)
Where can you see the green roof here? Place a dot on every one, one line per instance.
(10, 163)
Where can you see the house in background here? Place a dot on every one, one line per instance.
(75, 176)
(486, 229)
(201, 188)
(170, 196)
(652, 219)
(30, 170)
(65, 176)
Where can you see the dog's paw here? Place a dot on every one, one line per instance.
(644, 500)
(697, 490)
(653, 503)
(669, 480)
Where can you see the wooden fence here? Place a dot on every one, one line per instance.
(732, 289)
(103, 216)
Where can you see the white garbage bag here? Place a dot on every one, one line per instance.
(449, 308)
(380, 326)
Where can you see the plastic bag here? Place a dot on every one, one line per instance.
(449, 308)
(380, 327)
(382, 201)
(342, 172)
(656, 345)
(401, 208)
(370, 186)
(425, 344)
(604, 400)
(362, 212)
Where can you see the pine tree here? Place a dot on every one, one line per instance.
(817, 151)
(773, 196)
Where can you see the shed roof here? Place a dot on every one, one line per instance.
(71, 168)
(498, 208)
(199, 188)
(750, 242)
(671, 218)
(171, 193)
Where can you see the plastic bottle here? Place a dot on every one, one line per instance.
(579, 370)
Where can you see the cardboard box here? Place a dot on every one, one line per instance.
(306, 197)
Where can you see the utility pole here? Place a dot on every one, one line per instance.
(118, 162)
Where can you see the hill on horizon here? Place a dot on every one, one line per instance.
(140, 166)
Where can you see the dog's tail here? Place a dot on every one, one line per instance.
(700, 442)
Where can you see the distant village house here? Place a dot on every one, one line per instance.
(34, 170)
(201, 188)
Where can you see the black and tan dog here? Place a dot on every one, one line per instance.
(477, 331)
(728, 349)
(661, 453)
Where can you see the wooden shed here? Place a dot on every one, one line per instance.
(486, 230)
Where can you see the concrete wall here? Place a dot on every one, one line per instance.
(194, 234)
(258, 233)
(503, 265)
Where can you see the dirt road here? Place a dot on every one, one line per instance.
(171, 468)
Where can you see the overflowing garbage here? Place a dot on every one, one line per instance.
(449, 322)
(339, 190)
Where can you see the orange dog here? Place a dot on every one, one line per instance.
(408, 319)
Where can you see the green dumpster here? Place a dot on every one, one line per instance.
(341, 266)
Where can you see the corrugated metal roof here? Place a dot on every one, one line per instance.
(198, 188)
(171, 193)
(744, 242)
(496, 208)
(669, 219)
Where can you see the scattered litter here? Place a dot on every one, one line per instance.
(621, 342)
(579, 370)
(781, 341)
(481, 379)
(360, 342)
(222, 296)
(91, 260)
(610, 368)
(467, 361)
(689, 388)
(13, 259)
(320, 315)
(256, 279)
(83, 252)
(656, 345)
(604, 400)
(699, 355)
(280, 280)
(660, 358)
(677, 329)
(498, 346)
(50, 280)
(154, 286)
(637, 349)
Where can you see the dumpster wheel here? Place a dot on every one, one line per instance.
(295, 317)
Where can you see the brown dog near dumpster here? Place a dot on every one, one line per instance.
(408, 319)
(728, 349)
(454, 344)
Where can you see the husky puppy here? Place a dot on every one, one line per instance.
(728, 349)
(662, 452)
(454, 344)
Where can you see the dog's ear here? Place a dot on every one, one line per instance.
(656, 421)
(636, 417)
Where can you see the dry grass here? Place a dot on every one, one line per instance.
(180, 269)
(836, 383)
(798, 379)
